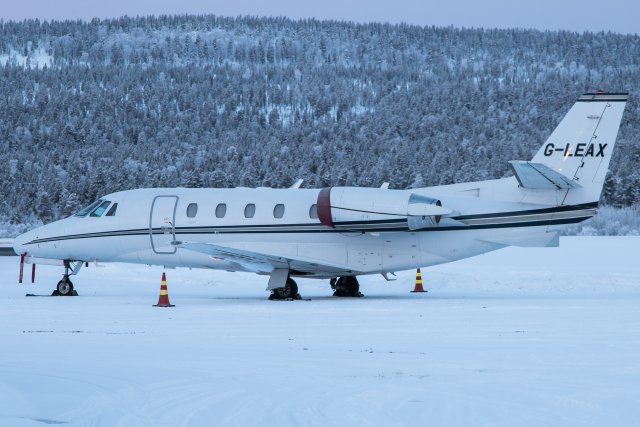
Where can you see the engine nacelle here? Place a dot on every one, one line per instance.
(358, 208)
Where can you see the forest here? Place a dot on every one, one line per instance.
(92, 107)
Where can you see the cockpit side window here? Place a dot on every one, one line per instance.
(102, 207)
(84, 212)
(112, 210)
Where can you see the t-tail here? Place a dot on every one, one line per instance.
(575, 159)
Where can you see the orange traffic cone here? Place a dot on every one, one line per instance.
(418, 287)
(163, 300)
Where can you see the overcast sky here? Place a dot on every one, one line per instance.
(621, 16)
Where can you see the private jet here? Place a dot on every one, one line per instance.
(340, 233)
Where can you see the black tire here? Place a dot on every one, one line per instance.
(347, 287)
(294, 287)
(353, 286)
(65, 287)
(339, 290)
(289, 290)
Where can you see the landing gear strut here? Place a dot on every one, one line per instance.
(288, 291)
(65, 286)
(346, 286)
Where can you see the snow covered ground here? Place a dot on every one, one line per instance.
(519, 337)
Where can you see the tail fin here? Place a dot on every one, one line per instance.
(580, 148)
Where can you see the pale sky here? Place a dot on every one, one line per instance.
(621, 16)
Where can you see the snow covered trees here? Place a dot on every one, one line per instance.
(203, 100)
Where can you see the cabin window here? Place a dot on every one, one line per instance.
(102, 207)
(221, 210)
(249, 210)
(278, 211)
(112, 210)
(192, 210)
(85, 211)
(313, 212)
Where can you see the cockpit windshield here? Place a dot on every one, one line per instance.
(102, 207)
(95, 209)
(85, 211)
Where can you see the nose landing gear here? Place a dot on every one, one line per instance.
(65, 286)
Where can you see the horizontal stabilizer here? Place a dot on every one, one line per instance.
(540, 177)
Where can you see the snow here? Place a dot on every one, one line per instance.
(36, 59)
(527, 337)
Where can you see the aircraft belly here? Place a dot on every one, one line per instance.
(365, 257)
(461, 244)
(401, 251)
(457, 245)
(332, 253)
(361, 253)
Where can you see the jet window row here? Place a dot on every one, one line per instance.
(249, 210)
(98, 208)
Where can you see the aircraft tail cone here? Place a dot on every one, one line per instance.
(418, 287)
(163, 299)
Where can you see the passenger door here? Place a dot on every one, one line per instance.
(162, 221)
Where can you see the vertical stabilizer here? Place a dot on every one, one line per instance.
(580, 148)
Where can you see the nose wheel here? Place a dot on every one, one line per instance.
(65, 288)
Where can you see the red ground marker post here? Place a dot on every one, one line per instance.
(21, 267)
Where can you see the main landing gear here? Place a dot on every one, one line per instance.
(346, 286)
(65, 286)
(288, 291)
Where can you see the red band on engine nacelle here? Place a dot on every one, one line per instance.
(324, 207)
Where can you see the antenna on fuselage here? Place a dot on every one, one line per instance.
(298, 183)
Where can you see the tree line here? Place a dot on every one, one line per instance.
(89, 108)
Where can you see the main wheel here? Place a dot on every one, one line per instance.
(65, 287)
(289, 290)
(347, 287)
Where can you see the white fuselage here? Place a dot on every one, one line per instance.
(148, 223)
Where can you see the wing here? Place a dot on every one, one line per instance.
(259, 262)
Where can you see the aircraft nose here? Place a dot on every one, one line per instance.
(19, 243)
